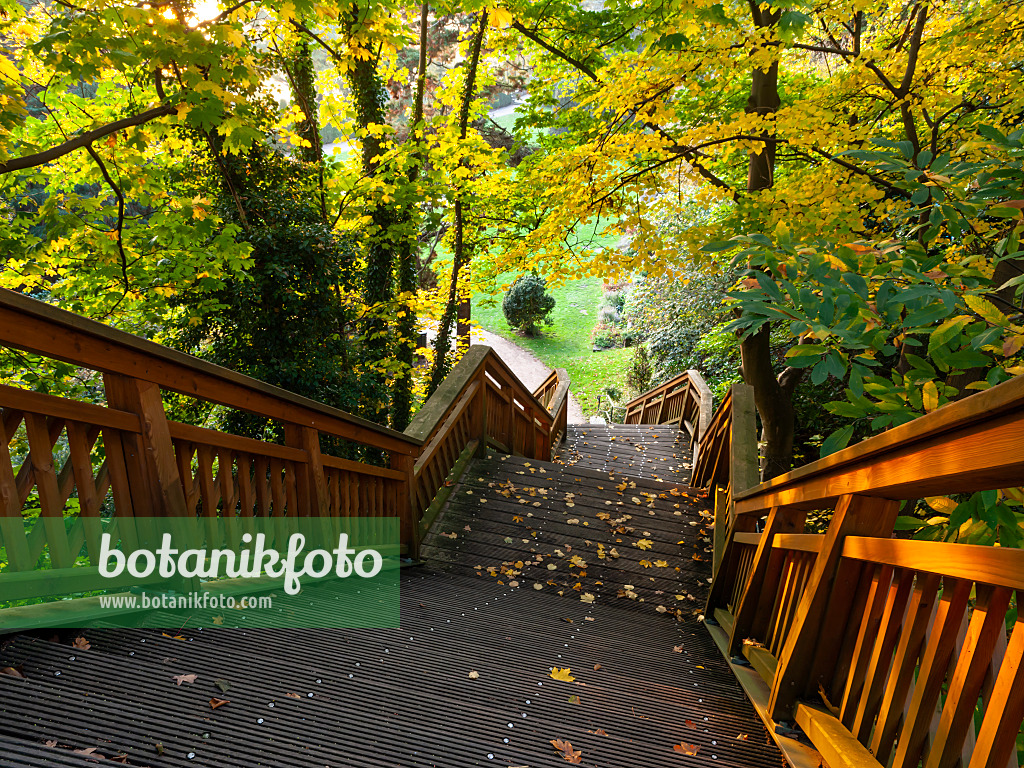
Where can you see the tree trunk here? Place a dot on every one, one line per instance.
(774, 402)
(378, 277)
(462, 254)
(408, 252)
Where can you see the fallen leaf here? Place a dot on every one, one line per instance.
(179, 679)
(600, 732)
(686, 749)
(597, 667)
(81, 643)
(224, 685)
(564, 748)
(86, 751)
(587, 597)
(12, 672)
(677, 649)
(742, 737)
(50, 743)
(645, 544)
(218, 620)
(574, 699)
(293, 696)
(214, 703)
(474, 675)
(690, 724)
(565, 675)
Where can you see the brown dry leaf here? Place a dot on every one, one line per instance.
(474, 675)
(12, 672)
(218, 620)
(179, 679)
(742, 737)
(686, 749)
(564, 748)
(50, 743)
(677, 649)
(81, 643)
(601, 732)
(690, 724)
(293, 696)
(87, 751)
(215, 702)
(597, 667)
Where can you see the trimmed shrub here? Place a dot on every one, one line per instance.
(526, 304)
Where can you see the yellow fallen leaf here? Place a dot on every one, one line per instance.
(565, 675)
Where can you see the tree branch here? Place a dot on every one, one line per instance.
(84, 139)
(581, 66)
(120, 209)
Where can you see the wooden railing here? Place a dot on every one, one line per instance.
(90, 468)
(884, 651)
(684, 401)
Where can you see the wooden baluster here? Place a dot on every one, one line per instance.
(904, 663)
(80, 448)
(12, 525)
(854, 516)
(881, 655)
(867, 630)
(938, 649)
(987, 621)
(723, 583)
(996, 743)
(152, 449)
(51, 515)
(779, 521)
(409, 512)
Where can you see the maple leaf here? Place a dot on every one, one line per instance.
(293, 696)
(645, 544)
(587, 597)
(565, 675)
(690, 724)
(564, 748)
(179, 679)
(517, 518)
(215, 702)
(578, 561)
(686, 749)
(474, 675)
(677, 649)
(81, 643)
(661, 563)
(218, 620)
(646, 563)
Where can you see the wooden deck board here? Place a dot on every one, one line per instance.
(403, 697)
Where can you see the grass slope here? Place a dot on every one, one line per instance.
(566, 343)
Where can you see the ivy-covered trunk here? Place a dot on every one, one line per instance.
(462, 252)
(378, 276)
(408, 256)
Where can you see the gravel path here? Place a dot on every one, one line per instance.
(526, 365)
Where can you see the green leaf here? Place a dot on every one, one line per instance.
(837, 440)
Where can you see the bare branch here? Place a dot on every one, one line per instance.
(581, 66)
(120, 210)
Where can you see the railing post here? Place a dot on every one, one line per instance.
(481, 418)
(155, 485)
(743, 464)
(312, 484)
(408, 513)
(854, 516)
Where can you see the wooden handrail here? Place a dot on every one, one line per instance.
(884, 630)
(34, 326)
(148, 465)
(684, 400)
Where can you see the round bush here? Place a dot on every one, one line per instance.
(526, 304)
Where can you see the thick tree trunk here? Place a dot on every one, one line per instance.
(378, 277)
(774, 402)
(408, 252)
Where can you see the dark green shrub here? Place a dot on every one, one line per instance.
(638, 375)
(526, 304)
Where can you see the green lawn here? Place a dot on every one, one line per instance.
(566, 343)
